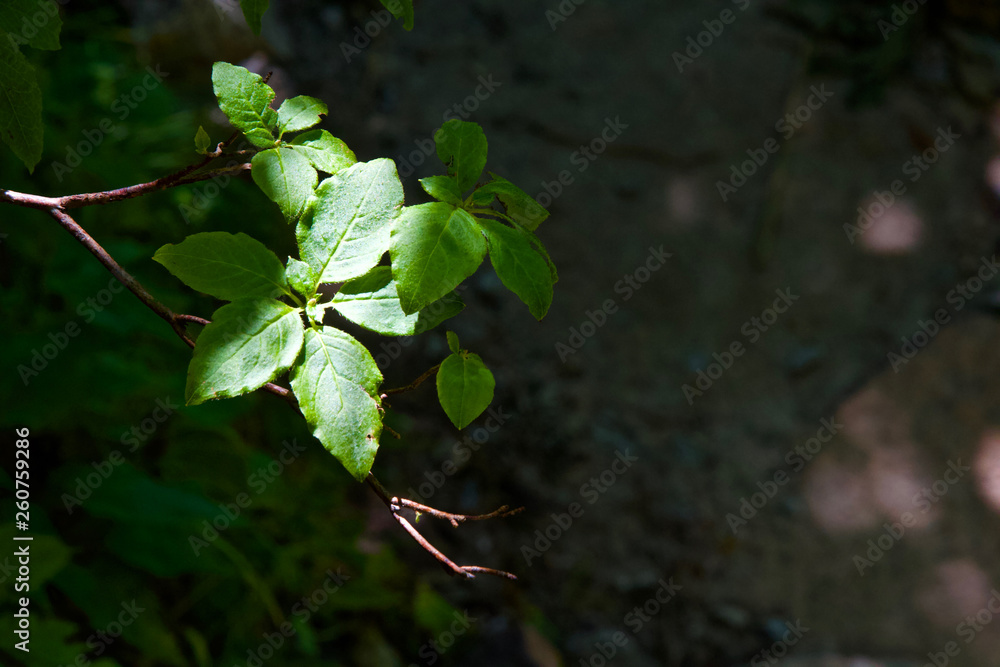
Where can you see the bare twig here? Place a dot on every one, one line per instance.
(395, 505)
(455, 519)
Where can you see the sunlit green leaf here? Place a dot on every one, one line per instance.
(345, 230)
(443, 188)
(462, 147)
(519, 205)
(244, 98)
(226, 266)
(300, 113)
(521, 268)
(434, 248)
(286, 177)
(326, 152)
(336, 384)
(248, 343)
(301, 277)
(372, 302)
(465, 387)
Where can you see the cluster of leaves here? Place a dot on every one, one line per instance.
(24, 23)
(344, 225)
(253, 11)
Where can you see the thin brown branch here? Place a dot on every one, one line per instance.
(395, 505)
(455, 519)
(413, 385)
(123, 276)
(183, 177)
(194, 318)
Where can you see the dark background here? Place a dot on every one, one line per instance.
(901, 424)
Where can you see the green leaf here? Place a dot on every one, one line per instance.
(462, 147)
(253, 10)
(372, 302)
(244, 98)
(401, 9)
(301, 277)
(434, 248)
(270, 117)
(453, 343)
(443, 188)
(300, 113)
(520, 206)
(521, 268)
(480, 198)
(336, 383)
(345, 230)
(20, 105)
(465, 387)
(325, 151)
(201, 141)
(443, 309)
(286, 177)
(248, 343)
(537, 245)
(31, 22)
(226, 266)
